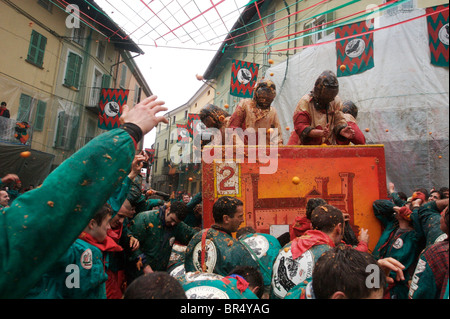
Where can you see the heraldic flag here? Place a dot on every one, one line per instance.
(243, 78)
(438, 34)
(192, 118)
(111, 107)
(356, 53)
(151, 155)
(183, 133)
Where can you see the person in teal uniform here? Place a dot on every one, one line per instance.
(191, 218)
(399, 240)
(429, 217)
(243, 282)
(295, 261)
(264, 248)
(157, 232)
(81, 272)
(138, 199)
(43, 223)
(215, 249)
(344, 273)
(430, 279)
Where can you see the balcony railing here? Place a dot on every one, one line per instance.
(94, 94)
(14, 132)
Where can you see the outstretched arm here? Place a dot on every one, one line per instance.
(43, 223)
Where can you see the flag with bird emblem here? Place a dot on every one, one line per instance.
(111, 106)
(243, 78)
(183, 133)
(355, 51)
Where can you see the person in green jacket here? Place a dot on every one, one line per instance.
(157, 231)
(214, 249)
(139, 200)
(399, 240)
(264, 248)
(430, 278)
(429, 217)
(295, 262)
(193, 219)
(43, 223)
(243, 282)
(81, 272)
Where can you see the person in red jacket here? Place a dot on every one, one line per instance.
(318, 117)
(350, 111)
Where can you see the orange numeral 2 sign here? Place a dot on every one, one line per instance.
(350, 178)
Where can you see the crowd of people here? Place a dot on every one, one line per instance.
(91, 232)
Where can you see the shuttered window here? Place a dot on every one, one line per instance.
(66, 131)
(36, 49)
(73, 70)
(40, 116)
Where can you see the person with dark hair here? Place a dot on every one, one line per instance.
(155, 285)
(444, 191)
(430, 279)
(214, 249)
(295, 261)
(4, 112)
(243, 282)
(264, 249)
(157, 231)
(435, 195)
(213, 117)
(350, 111)
(193, 219)
(116, 282)
(303, 223)
(345, 273)
(318, 117)
(398, 198)
(252, 276)
(399, 240)
(90, 254)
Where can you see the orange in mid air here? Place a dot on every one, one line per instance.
(343, 67)
(296, 180)
(25, 154)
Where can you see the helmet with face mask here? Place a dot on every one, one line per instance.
(325, 90)
(265, 93)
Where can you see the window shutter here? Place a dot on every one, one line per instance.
(307, 39)
(74, 132)
(33, 45)
(123, 77)
(77, 71)
(70, 70)
(41, 50)
(40, 116)
(60, 129)
(106, 81)
(330, 17)
(23, 114)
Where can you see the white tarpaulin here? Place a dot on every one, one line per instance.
(404, 94)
